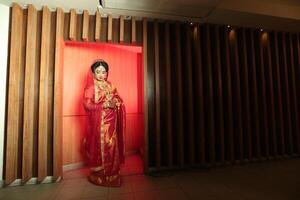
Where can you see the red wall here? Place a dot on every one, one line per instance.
(125, 72)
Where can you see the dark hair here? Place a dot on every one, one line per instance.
(98, 63)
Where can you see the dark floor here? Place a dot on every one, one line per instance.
(272, 180)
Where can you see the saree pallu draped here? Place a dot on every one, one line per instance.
(103, 145)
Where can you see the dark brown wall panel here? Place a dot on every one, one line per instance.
(219, 94)
(198, 97)
(270, 96)
(286, 85)
(168, 95)
(229, 130)
(157, 95)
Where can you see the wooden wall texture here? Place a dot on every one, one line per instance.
(213, 94)
(34, 105)
(220, 95)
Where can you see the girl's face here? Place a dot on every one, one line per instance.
(100, 73)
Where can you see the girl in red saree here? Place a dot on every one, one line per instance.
(104, 142)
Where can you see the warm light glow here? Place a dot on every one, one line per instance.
(125, 72)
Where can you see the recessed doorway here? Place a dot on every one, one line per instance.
(126, 73)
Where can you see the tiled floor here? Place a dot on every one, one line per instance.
(272, 180)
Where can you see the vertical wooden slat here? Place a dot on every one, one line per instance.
(29, 94)
(236, 72)
(133, 30)
(138, 32)
(287, 95)
(220, 93)
(294, 95)
(85, 26)
(271, 93)
(265, 126)
(115, 30)
(169, 94)
(157, 95)
(121, 29)
(43, 99)
(14, 103)
(255, 97)
(229, 97)
(57, 115)
(211, 115)
(191, 137)
(278, 86)
(98, 27)
(79, 27)
(180, 101)
(298, 64)
(73, 22)
(146, 134)
(109, 28)
(245, 80)
(199, 84)
(91, 32)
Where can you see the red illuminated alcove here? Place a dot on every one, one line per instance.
(125, 72)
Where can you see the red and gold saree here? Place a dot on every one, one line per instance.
(104, 142)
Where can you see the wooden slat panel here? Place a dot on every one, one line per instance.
(255, 97)
(67, 27)
(127, 31)
(294, 94)
(133, 30)
(271, 93)
(298, 69)
(238, 101)
(157, 95)
(85, 26)
(245, 80)
(261, 71)
(188, 54)
(14, 101)
(146, 134)
(169, 94)
(98, 26)
(109, 28)
(200, 99)
(211, 115)
(280, 101)
(220, 93)
(138, 32)
(30, 105)
(73, 22)
(121, 29)
(115, 30)
(287, 96)
(91, 32)
(43, 100)
(57, 115)
(229, 97)
(179, 97)
(79, 27)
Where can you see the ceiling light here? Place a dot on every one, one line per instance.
(100, 4)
